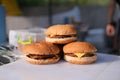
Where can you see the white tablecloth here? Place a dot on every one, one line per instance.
(107, 67)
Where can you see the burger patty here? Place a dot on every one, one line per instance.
(38, 57)
(61, 36)
(86, 55)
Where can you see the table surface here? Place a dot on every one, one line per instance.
(107, 67)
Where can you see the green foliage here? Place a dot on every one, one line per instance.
(62, 2)
(33, 2)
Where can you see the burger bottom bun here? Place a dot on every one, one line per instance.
(83, 60)
(61, 40)
(42, 61)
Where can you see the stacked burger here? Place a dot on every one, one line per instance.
(73, 52)
(60, 42)
(61, 34)
(41, 53)
(80, 53)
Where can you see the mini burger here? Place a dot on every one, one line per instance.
(41, 53)
(80, 53)
(61, 34)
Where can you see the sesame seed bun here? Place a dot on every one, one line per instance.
(67, 33)
(41, 53)
(75, 47)
(61, 40)
(42, 48)
(83, 60)
(47, 61)
(61, 30)
(85, 48)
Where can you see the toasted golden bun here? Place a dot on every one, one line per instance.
(61, 30)
(82, 60)
(42, 61)
(79, 47)
(61, 40)
(42, 48)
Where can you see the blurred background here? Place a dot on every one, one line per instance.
(92, 12)
(88, 16)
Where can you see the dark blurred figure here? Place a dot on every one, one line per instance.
(113, 28)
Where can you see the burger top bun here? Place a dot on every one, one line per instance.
(61, 30)
(43, 48)
(75, 47)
